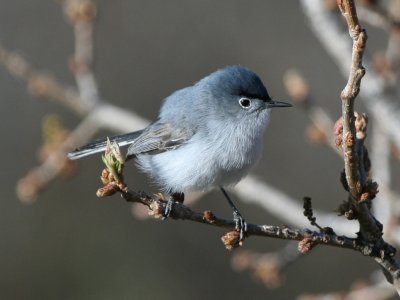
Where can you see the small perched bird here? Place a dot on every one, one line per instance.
(206, 135)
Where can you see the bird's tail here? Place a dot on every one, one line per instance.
(100, 145)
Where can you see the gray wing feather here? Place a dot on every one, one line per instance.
(157, 138)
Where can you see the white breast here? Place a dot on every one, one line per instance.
(205, 162)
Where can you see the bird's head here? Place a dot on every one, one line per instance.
(236, 92)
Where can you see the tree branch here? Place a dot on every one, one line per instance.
(307, 238)
(356, 159)
(348, 96)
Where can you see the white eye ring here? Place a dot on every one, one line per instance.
(245, 102)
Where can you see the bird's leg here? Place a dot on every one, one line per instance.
(240, 223)
(175, 197)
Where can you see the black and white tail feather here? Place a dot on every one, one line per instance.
(100, 145)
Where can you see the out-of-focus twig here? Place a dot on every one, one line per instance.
(321, 129)
(40, 84)
(103, 116)
(374, 15)
(380, 155)
(82, 15)
(267, 268)
(29, 186)
(288, 210)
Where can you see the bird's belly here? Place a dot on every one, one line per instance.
(199, 166)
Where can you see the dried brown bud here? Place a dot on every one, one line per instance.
(156, 210)
(231, 240)
(338, 133)
(306, 245)
(349, 140)
(107, 190)
(371, 189)
(208, 216)
(361, 124)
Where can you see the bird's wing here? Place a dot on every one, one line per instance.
(157, 138)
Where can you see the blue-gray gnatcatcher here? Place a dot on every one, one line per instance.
(207, 135)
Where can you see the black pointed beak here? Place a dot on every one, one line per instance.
(272, 103)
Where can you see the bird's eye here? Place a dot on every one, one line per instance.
(245, 102)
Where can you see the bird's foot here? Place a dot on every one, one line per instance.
(168, 209)
(240, 224)
(175, 197)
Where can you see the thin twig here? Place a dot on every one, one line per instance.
(348, 96)
(82, 15)
(38, 177)
(40, 84)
